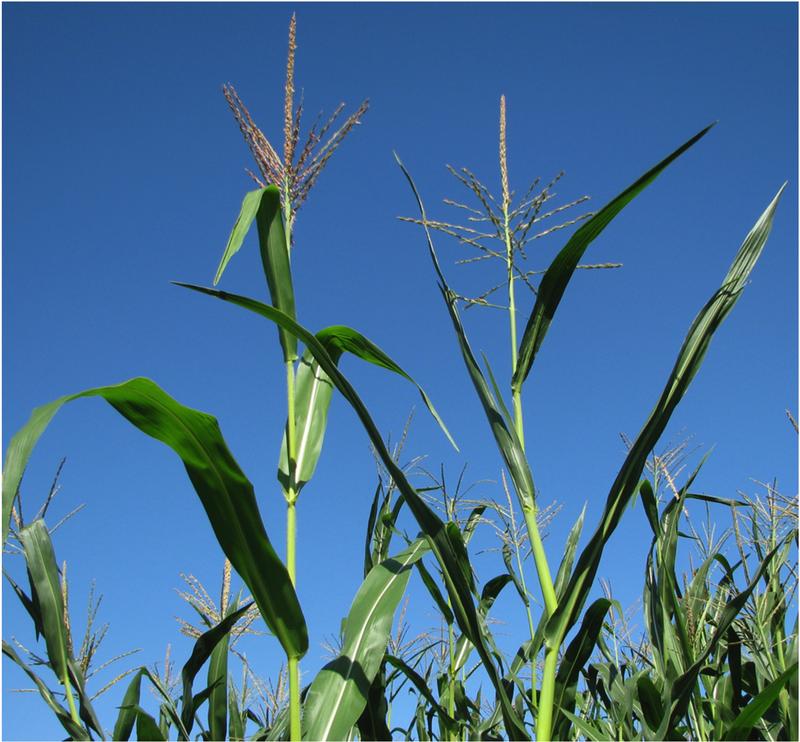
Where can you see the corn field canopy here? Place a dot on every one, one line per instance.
(418, 372)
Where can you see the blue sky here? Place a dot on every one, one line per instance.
(123, 170)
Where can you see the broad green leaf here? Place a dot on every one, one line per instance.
(45, 582)
(339, 692)
(555, 280)
(225, 493)
(127, 711)
(264, 206)
(313, 391)
(76, 731)
(649, 701)
(688, 363)
(203, 649)
(432, 526)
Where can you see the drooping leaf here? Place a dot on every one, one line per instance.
(688, 363)
(339, 692)
(225, 493)
(432, 526)
(555, 280)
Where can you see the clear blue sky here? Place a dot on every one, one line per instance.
(123, 170)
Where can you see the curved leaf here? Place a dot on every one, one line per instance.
(447, 554)
(226, 494)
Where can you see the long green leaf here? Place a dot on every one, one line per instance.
(506, 437)
(226, 494)
(688, 363)
(555, 280)
(448, 555)
(218, 689)
(339, 692)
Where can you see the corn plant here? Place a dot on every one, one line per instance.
(707, 641)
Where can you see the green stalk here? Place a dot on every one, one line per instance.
(295, 728)
(451, 701)
(531, 629)
(73, 711)
(544, 718)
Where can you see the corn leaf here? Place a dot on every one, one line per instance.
(447, 554)
(504, 434)
(555, 280)
(127, 711)
(43, 569)
(204, 648)
(76, 731)
(264, 206)
(241, 227)
(339, 692)
(313, 390)
(147, 730)
(578, 652)
(758, 706)
(225, 493)
(688, 363)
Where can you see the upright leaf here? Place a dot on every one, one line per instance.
(43, 569)
(264, 206)
(688, 363)
(555, 280)
(339, 692)
(204, 648)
